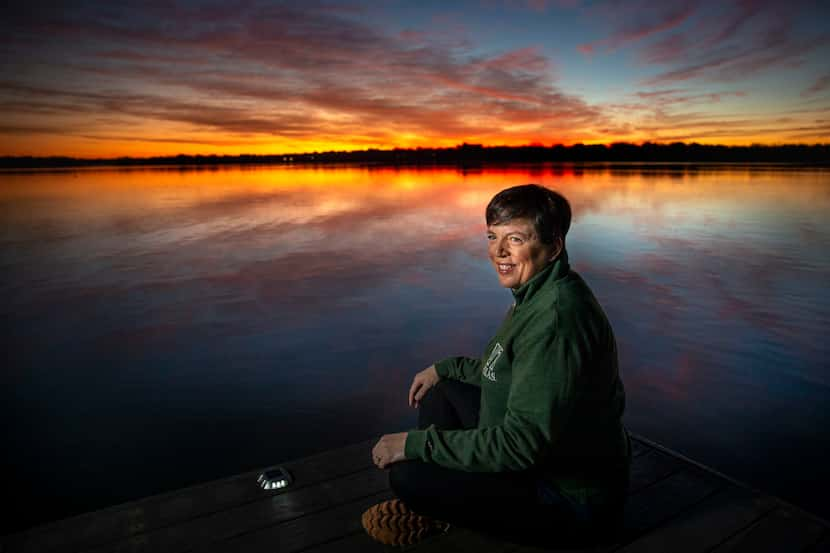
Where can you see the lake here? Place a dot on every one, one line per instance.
(166, 326)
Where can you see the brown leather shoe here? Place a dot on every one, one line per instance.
(392, 523)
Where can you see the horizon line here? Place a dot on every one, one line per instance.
(459, 148)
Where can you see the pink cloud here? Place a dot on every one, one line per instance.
(667, 50)
(523, 59)
(638, 25)
(544, 5)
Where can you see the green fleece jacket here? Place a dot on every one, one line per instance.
(551, 395)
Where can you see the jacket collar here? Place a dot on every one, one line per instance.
(555, 270)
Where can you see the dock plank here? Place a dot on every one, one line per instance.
(649, 468)
(458, 540)
(253, 516)
(462, 540)
(649, 508)
(675, 504)
(355, 542)
(137, 518)
(657, 504)
(706, 525)
(301, 533)
(780, 530)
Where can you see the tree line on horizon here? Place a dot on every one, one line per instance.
(471, 154)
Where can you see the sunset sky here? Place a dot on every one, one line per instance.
(104, 79)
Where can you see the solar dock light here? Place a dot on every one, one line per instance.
(274, 478)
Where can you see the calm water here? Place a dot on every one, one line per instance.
(165, 327)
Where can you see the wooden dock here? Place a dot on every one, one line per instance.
(675, 505)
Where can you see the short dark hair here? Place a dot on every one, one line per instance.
(549, 211)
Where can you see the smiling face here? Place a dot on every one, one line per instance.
(516, 251)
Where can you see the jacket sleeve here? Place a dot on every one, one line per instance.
(544, 388)
(465, 369)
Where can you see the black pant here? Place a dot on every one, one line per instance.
(505, 504)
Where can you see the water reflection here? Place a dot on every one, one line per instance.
(181, 325)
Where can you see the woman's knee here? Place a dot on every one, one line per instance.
(433, 394)
(450, 405)
(434, 408)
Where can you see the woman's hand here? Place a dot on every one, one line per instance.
(389, 449)
(422, 382)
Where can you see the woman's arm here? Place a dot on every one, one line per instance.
(547, 379)
(465, 369)
(390, 448)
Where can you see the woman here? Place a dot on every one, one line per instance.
(526, 442)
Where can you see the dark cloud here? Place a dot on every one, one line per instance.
(678, 114)
(207, 141)
(640, 20)
(697, 41)
(30, 129)
(821, 84)
(755, 37)
(676, 96)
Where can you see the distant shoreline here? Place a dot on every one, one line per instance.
(466, 155)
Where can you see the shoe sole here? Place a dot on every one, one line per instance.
(392, 523)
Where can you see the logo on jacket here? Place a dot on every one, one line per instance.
(489, 371)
